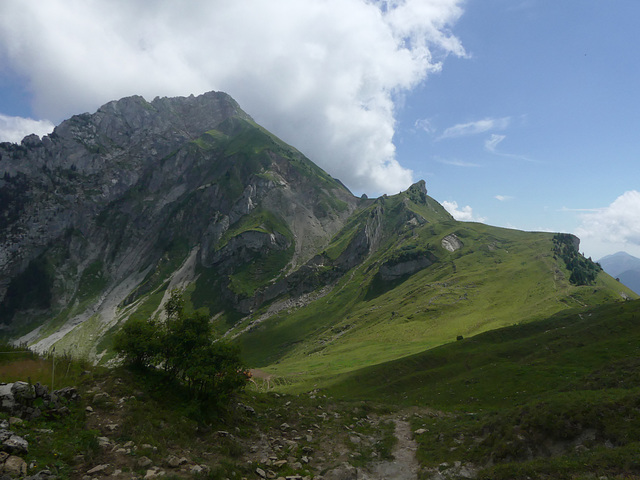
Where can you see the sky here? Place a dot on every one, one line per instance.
(517, 113)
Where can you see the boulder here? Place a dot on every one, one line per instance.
(451, 243)
(15, 467)
(144, 462)
(23, 392)
(7, 401)
(16, 445)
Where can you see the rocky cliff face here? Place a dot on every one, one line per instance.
(142, 196)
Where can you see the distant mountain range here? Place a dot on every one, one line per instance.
(624, 267)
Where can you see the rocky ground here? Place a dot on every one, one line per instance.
(135, 434)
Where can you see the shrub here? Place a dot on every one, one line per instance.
(185, 348)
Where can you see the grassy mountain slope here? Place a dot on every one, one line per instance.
(498, 277)
(556, 397)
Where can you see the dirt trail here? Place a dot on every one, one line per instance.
(404, 466)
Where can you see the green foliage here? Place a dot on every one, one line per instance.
(583, 270)
(185, 348)
(138, 341)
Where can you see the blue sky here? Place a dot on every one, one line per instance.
(559, 83)
(522, 114)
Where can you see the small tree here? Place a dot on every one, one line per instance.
(138, 341)
(185, 347)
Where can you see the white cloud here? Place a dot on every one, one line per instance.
(464, 214)
(503, 198)
(479, 126)
(459, 163)
(424, 124)
(491, 144)
(321, 74)
(14, 129)
(619, 223)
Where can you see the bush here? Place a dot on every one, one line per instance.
(185, 348)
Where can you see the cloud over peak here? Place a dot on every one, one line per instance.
(322, 75)
(15, 129)
(463, 214)
(619, 223)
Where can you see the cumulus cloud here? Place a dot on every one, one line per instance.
(321, 74)
(479, 126)
(14, 129)
(619, 223)
(464, 214)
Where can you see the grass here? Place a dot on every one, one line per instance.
(556, 397)
(499, 278)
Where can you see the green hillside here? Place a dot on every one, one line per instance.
(499, 277)
(554, 398)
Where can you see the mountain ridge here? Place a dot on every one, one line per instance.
(113, 210)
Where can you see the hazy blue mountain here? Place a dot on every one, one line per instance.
(625, 267)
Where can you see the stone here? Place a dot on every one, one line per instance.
(23, 392)
(89, 409)
(42, 475)
(154, 473)
(98, 469)
(70, 394)
(345, 471)
(467, 471)
(420, 431)
(103, 442)
(261, 473)
(16, 445)
(15, 421)
(174, 462)
(451, 243)
(7, 401)
(247, 408)
(15, 466)
(41, 391)
(144, 462)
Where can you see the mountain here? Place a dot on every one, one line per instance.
(624, 267)
(103, 218)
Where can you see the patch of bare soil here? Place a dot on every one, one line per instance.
(404, 466)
